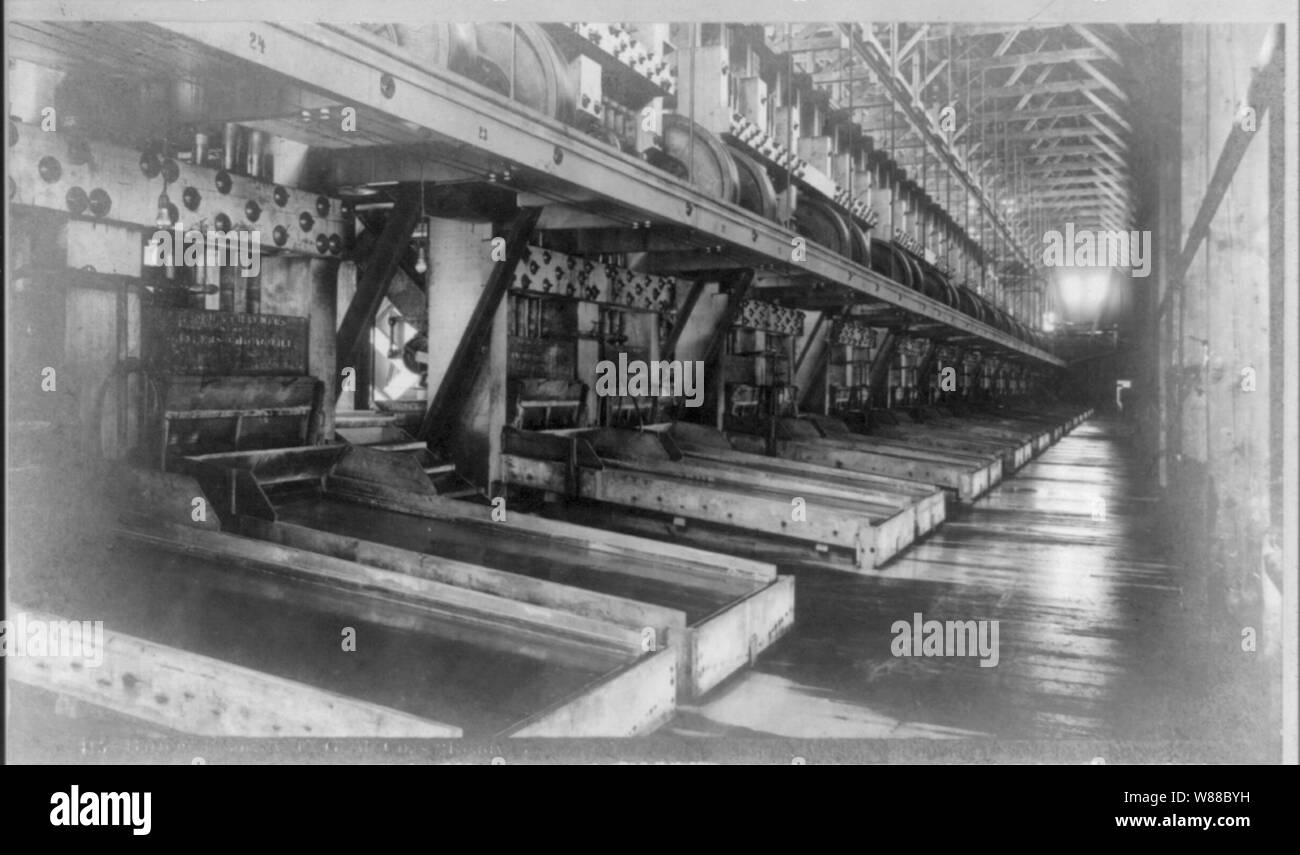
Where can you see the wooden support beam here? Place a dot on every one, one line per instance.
(1110, 111)
(668, 348)
(1096, 74)
(934, 72)
(607, 241)
(1023, 65)
(454, 390)
(739, 287)
(1007, 41)
(1071, 111)
(384, 262)
(1097, 42)
(1047, 57)
(1265, 88)
(1043, 88)
(878, 374)
(1050, 133)
(911, 44)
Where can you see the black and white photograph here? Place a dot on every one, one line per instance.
(789, 383)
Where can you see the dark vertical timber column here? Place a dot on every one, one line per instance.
(1224, 291)
(1191, 489)
(322, 307)
(737, 287)
(1165, 140)
(878, 374)
(467, 408)
(1238, 323)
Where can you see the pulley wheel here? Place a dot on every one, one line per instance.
(605, 135)
(882, 259)
(448, 46)
(861, 245)
(710, 165)
(966, 302)
(932, 284)
(756, 191)
(820, 223)
(915, 277)
(541, 78)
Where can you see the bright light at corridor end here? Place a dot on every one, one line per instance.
(1083, 293)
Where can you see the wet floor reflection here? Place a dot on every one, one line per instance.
(1061, 555)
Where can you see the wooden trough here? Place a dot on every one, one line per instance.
(736, 504)
(714, 612)
(1015, 449)
(222, 634)
(169, 687)
(703, 443)
(966, 476)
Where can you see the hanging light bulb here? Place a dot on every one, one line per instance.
(422, 259)
(164, 219)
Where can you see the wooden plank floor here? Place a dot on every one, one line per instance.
(1061, 554)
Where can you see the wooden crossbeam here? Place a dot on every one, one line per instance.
(1067, 112)
(1007, 41)
(963, 31)
(1050, 133)
(1049, 57)
(911, 43)
(1110, 111)
(1024, 64)
(1103, 79)
(1108, 131)
(1043, 88)
(1096, 41)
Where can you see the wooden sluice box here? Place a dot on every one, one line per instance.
(1047, 423)
(717, 496)
(891, 429)
(965, 476)
(245, 625)
(702, 443)
(711, 613)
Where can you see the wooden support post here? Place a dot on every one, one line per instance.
(384, 262)
(459, 377)
(669, 349)
(810, 366)
(1265, 89)
(923, 369)
(737, 286)
(878, 375)
(322, 277)
(363, 365)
